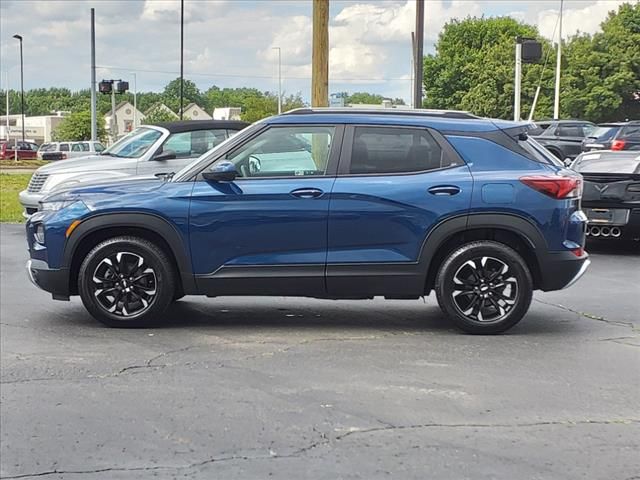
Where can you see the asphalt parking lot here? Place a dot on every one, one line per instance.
(300, 388)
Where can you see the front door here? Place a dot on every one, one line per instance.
(265, 233)
(394, 185)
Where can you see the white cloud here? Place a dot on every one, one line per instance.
(585, 19)
(229, 43)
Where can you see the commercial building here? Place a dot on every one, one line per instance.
(38, 129)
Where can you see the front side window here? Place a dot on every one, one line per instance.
(381, 150)
(285, 152)
(98, 147)
(570, 131)
(193, 144)
(64, 147)
(135, 144)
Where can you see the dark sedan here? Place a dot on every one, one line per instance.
(611, 198)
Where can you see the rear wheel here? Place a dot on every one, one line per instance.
(484, 287)
(126, 282)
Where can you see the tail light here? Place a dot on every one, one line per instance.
(555, 186)
(618, 144)
(64, 156)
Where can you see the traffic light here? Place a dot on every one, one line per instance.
(122, 87)
(105, 86)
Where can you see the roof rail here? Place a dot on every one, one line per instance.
(384, 111)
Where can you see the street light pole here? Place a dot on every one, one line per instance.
(279, 79)
(19, 38)
(419, 60)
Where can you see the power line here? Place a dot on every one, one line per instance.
(237, 75)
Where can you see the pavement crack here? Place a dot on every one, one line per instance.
(85, 472)
(591, 316)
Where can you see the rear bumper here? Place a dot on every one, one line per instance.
(54, 281)
(561, 270)
(628, 231)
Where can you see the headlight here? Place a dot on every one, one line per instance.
(56, 179)
(38, 233)
(57, 205)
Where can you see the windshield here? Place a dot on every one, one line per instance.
(135, 144)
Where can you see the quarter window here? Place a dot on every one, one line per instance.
(285, 152)
(380, 150)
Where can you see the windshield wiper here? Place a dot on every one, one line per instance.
(110, 154)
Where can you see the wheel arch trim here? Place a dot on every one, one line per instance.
(153, 223)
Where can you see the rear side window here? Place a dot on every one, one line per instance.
(569, 130)
(631, 132)
(381, 150)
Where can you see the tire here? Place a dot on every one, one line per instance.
(498, 298)
(118, 300)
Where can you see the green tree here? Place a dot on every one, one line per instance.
(157, 114)
(601, 73)
(368, 98)
(191, 94)
(472, 68)
(77, 126)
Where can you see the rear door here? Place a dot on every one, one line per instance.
(394, 185)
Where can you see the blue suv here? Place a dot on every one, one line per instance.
(339, 204)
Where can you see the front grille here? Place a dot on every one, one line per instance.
(36, 182)
(608, 178)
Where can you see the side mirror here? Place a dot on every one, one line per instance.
(221, 172)
(165, 155)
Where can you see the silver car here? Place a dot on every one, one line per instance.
(148, 150)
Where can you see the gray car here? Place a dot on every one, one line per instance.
(148, 150)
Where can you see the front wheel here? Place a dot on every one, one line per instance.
(484, 287)
(126, 282)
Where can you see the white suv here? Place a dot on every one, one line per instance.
(64, 150)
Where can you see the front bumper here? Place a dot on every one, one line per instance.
(560, 270)
(30, 202)
(54, 281)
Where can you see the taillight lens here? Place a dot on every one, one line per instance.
(555, 186)
(618, 144)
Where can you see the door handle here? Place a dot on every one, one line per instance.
(307, 193)
(444, 190)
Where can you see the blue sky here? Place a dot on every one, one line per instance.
(230, 43)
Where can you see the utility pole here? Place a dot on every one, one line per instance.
(114, 122)
(320, 54)
(279, 79)
(94, 115)
(19, 38)
(6, 85)
(181, 57)
(556, 102)
(517, 80)
(418, 56)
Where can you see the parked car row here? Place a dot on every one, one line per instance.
(326, 203)
(566, 139)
